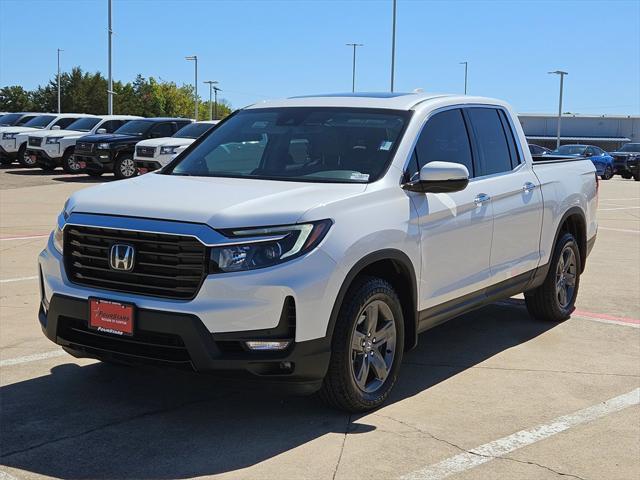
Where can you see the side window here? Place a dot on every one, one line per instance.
(179, 125)
(490, 140)
(444, 138)
(112, 125)
(64, 123)
(591, 150)
(162, 130)
(511, 140)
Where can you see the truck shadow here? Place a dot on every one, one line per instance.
(104, 421)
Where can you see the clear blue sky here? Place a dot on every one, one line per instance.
(267, 49)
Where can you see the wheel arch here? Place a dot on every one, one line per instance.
(395, 267)
(573, 221)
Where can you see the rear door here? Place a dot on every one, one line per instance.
(456, 228)
(514, 191)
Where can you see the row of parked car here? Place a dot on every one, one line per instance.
(80, 143)
(625, 161)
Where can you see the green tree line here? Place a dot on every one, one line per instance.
(84, 92)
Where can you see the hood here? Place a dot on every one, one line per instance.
(19, 129)
(57, 133)
(110, 137)
(165, 141)
(217, 202)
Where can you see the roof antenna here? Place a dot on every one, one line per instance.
(418, 90)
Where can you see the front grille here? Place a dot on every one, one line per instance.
(84, 147)
(35, 141)
(171, 266)
(145, 151)
(143, 345)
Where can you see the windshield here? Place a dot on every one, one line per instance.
(311, 144)
(134, 127)
(40, 122)
(10, 119)
(630, 147)
(83, 124)
(193, 130)
(570, 150)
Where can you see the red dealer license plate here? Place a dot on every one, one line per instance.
(111, 317)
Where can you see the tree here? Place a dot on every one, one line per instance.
(15, 99)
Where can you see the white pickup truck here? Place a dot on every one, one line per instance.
(53, 148)
(13, 140)
(155, 153)
(312, 239)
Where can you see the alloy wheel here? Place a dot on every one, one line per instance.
(373, 346)
(127, 167)
(566, 272)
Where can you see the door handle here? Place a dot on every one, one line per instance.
(527, 187)
(481, 198)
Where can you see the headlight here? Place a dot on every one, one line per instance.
(289, 242)
(104, 146)
(58, 239)
(9, 136)
(168, 150)
(53, 140)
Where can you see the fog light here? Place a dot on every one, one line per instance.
(267, 344)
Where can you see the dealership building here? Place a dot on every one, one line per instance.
(608, 132)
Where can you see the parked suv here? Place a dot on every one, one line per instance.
(157, 152)
(311, 240)
(97, 154)
(13, 141)
(54, 148)
(626, 161)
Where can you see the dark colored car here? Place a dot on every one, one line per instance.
(538, 150)
(626, 161)
(601, 159)
(97, 154)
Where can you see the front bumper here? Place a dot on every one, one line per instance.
(145, 166)
(182, 341)
(45, 158)
(8, 149)
(100, 161)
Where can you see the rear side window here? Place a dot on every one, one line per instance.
(163, 130)
(444, 138)
(511, 140)
(491, 140)
(112, 125)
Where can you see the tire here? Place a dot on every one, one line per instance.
(125, 167)
(626, 175)
(25, 160)
(636, 176)
(69, 164)
(547, 302)
(608, 173)
(355, 381)
(6, 161)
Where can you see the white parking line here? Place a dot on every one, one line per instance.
(489, 451)
(618, 230)
(10, 239)
(31, 358)
(19, 279)
(616, 208)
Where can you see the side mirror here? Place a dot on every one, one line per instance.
(588, 154)
(101, 131)
(440, 177)
(55, 127)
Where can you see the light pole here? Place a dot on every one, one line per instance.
(110, 84)
(194, 58)
(393, 44)
(562, 74)
(59, 102)
(215, 105)
(466, 66)
(353, 75)
(211, 83)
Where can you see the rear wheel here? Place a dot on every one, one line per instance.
(124, 167)
(69, 163)
(367, 347)
(636, 176)
(555, 299)
(626, 175)
(608, 173)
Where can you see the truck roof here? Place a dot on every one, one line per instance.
(390, 100)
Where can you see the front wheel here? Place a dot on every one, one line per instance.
(69, 163)
(24, 159)
(608, 173)
(555, 299)
(367, 347)
(124, 167)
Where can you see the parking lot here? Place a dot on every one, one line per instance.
(492, 394)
